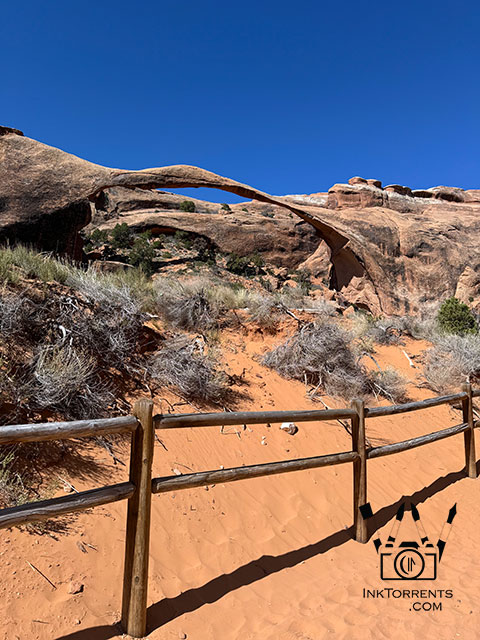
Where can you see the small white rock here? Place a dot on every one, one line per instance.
(177, 472)
(289, 427)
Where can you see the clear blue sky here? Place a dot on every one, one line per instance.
(289, 97)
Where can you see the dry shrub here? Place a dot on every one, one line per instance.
(452, 360)
(389, 383)
(187, 305)
(321, 354)
(15, 315)
(265, 310)
(113, 326)
(182, 365)
(12, 489)
(67, 381)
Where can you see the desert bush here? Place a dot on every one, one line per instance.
(265, 310)
(114, 324)
(321, 306)
(386, 331)
(452, 360)
(229, 296)
(15, 314)
(187, 206)
(143, 253)
(66, 380)
(303, 279)
(206, 251)
(389, 383)
(455, 317)
(187, 305)
(321, 354)
(225, 207)
(12, 490)
(247, 266)
(292, 297)
(96, 239)
(182, 365)
(121, 236)
(7, 271)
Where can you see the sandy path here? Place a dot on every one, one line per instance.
(269, 558)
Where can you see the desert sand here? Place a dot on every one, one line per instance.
(270, 558)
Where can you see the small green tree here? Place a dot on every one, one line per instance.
(188, 206)
(455, 317)
(302, 278)
(225, 207)
(121, 236)
(96, 239)
(143, 253)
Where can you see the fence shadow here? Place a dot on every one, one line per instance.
(168, 609)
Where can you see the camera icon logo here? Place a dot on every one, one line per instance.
(410, 560)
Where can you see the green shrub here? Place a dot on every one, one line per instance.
(302, 278)
(245, 265)
(183, 239)
(143, 253)
(206, 251)
(96, 239)
(121, 236)
(225, 207)
(188, 206)
(455, 317)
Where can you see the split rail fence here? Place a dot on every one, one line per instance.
(140, 487)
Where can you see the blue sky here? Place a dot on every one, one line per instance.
(289, 97)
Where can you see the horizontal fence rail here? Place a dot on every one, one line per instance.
(413, 406)
(140, 487)
(46, 509)
(179, 420)
(65, 430)
(406, 445)
(202, 478)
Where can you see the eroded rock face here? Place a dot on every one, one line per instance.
(389, 250)
(46, 195)
(270, 230)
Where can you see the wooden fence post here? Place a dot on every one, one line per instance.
(359, 471)
(137, 542)
(469, 436)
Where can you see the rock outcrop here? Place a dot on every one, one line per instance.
(391, 250)
(46, 195)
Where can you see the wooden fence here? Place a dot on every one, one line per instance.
(140, 487)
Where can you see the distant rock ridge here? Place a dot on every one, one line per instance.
(369, 193)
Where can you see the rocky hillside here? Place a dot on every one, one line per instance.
(390, 250)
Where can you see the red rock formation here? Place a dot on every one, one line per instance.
(390, 250)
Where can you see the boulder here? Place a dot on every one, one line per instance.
(398, 188)
(374, 183)
(450, 194)
(357, 180)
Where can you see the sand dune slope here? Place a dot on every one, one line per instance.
(269, 558)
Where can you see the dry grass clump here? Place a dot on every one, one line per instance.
(12, 489)
(389, 383)
(265, 310)
(34, 264)
(452, 360)
(320, 353)
(187, 305)
(67, 381)
(181, 364)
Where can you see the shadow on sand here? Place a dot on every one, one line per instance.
(168, 609)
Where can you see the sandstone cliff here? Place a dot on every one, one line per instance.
(390, 250)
